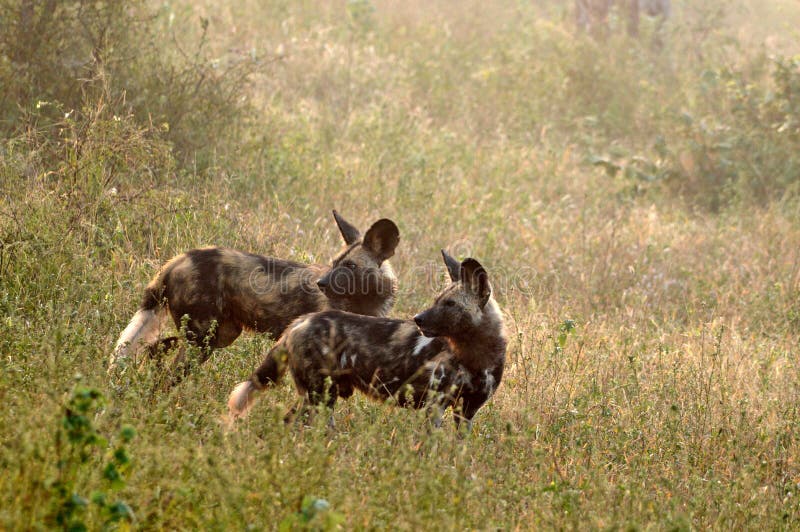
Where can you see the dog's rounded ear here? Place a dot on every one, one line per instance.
(453, 266)
(350, 233)
(475, 279)
(382, 239)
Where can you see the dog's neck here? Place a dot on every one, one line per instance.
(365, 305)
(368, 304)
(484, 346)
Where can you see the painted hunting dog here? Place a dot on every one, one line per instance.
(224, 291)
(449, 355)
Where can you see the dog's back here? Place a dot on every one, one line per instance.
(375, 355)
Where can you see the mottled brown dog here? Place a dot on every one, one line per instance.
(224, 291)
(449, 355)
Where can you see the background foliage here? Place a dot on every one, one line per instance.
(635, 201)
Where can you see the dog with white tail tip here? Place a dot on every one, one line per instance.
(216, 293)
(450, 355)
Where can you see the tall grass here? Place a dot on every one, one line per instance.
(636, 206)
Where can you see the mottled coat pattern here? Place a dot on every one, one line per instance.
(450, 355)
(223, 291)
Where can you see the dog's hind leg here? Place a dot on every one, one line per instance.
(206, 339)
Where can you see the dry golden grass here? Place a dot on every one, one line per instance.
(652, 377)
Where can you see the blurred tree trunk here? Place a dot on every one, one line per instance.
(31, 28)
(633, 18)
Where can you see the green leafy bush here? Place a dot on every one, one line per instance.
(77, 443)
(742, 148)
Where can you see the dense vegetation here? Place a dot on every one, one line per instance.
(637, 203)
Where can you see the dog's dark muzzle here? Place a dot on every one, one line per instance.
(422, 320)
(324, 282)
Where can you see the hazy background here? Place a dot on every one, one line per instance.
(636, 202)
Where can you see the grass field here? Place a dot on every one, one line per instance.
(636, 204)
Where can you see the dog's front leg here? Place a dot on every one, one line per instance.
(434, 411)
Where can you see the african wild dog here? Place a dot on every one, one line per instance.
(224, 291)
(449, 355)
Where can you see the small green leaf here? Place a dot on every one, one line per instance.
(78, 501)
(121, 457)
(120, 510)
(610, 167)
(99, 498)
(127, 433)
(112, 474)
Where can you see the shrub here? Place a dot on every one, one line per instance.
(743, 145)
(77, 441)
(128, 54)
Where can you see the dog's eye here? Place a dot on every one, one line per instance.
(350, 265)
(449, 303)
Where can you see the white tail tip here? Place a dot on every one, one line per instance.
(143, 329)
(241, 399)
